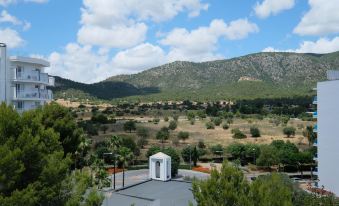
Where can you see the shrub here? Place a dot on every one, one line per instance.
(225, 126)
(217, 149)
(156, 120)
(217, 121)
(166, 119)
(192, 121)
(175, 117)
(190, 153)
(183, 135)
(172, 125)
(100, 118)
(209, 125)
(201, 144)
(129, 126)
(289, 131)
(255, 132)
(237, 134)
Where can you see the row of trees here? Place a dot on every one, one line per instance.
(230, 187)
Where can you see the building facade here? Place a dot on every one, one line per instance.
(23, 82)
(327, 127)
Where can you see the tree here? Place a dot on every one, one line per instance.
(227, 187)
(115, 143)
(270, 190)
(237, 150)
(217, 149)
(201, 114)
(99, 118)
(104, 128)
(129, 126)
(289, 131)
(310, 135)
(163, 135)
(217, 121)
(201, 144)
(190, 115)
(125, 155)
(225, 126)
(209, 125)
(255, 132)
(172, 125)
(190, 153)
(268, 156)
(237, 134)
(183, 135)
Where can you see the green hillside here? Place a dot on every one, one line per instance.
(261, 75)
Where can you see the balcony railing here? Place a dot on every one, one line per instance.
(34, 76)
(34, 94)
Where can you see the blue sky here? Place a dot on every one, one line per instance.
(90, 40)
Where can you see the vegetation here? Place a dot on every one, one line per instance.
(225, 126)
(183, 135)
(190, 153)
(210, 125)
(255, 132)
(172, 125)
(237, 134)
(289, 131)
(163, 134)
(230, 187)
(130, 126)
(37, 150)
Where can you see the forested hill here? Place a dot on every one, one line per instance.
(258, 75)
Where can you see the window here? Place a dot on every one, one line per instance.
(157, 169)
(20, 104)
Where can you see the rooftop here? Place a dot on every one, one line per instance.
(36, 61)
(178, 193)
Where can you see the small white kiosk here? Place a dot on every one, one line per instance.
(160, 167)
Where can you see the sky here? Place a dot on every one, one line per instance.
(91, 40)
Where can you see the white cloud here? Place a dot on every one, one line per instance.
(82, 63)
(120, 24)
(8, 2)
(141, 57)
(321, 19)
(321, 46)
(5, 17)
(118, 36)
(11, 38)
(200, 44)
(272, 7)
(37, 1)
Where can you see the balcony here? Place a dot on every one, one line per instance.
(315, 115)
(36, 94)
(315, 128)
(315, 100)
(34, 76)
(315, 143)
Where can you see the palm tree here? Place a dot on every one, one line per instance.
(99, 173)
(125, 156)
(83, 146)
(114, 144)
(310, 135)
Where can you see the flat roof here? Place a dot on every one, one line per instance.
(153, 192)
(40, 62)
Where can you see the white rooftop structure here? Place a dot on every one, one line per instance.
(160, 167)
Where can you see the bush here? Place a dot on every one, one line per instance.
(129, 126)
(192, 121)
(172, 125)
(225, 126)
(175, 117)
(217, 149)
(190, 153)
(217, 121)
(289, 131)
(99, 118)
(201, 144)
(163, 134)
(255, 132)
(156, 120)
(210, 125)
(166, 119)
(183, 135)
(237, 134)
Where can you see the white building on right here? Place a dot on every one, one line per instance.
(328, 132)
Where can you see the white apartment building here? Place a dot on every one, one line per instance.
(23, 82)
(328, 132)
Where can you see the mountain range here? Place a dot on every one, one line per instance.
(260, 75)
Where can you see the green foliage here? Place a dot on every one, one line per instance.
(268, 156)
(201, 114)
(175, 117)
(192, 121)
(175, 158)
(130, 126)
(104, 128)
(190, 115)
(190, 153)
(255, 132)
(217, 149)
(310, 134)
(156, 120)
(94, 198)
(183, 135)
(217, 121)
(166, 119)
(99, 118)
(172, 125)
(201, 144)
(237, 134)
(35, 156)
(210, 125)
(225, 126)
(163, 134)
(289, 131)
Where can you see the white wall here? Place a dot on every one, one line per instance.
(328, 135)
